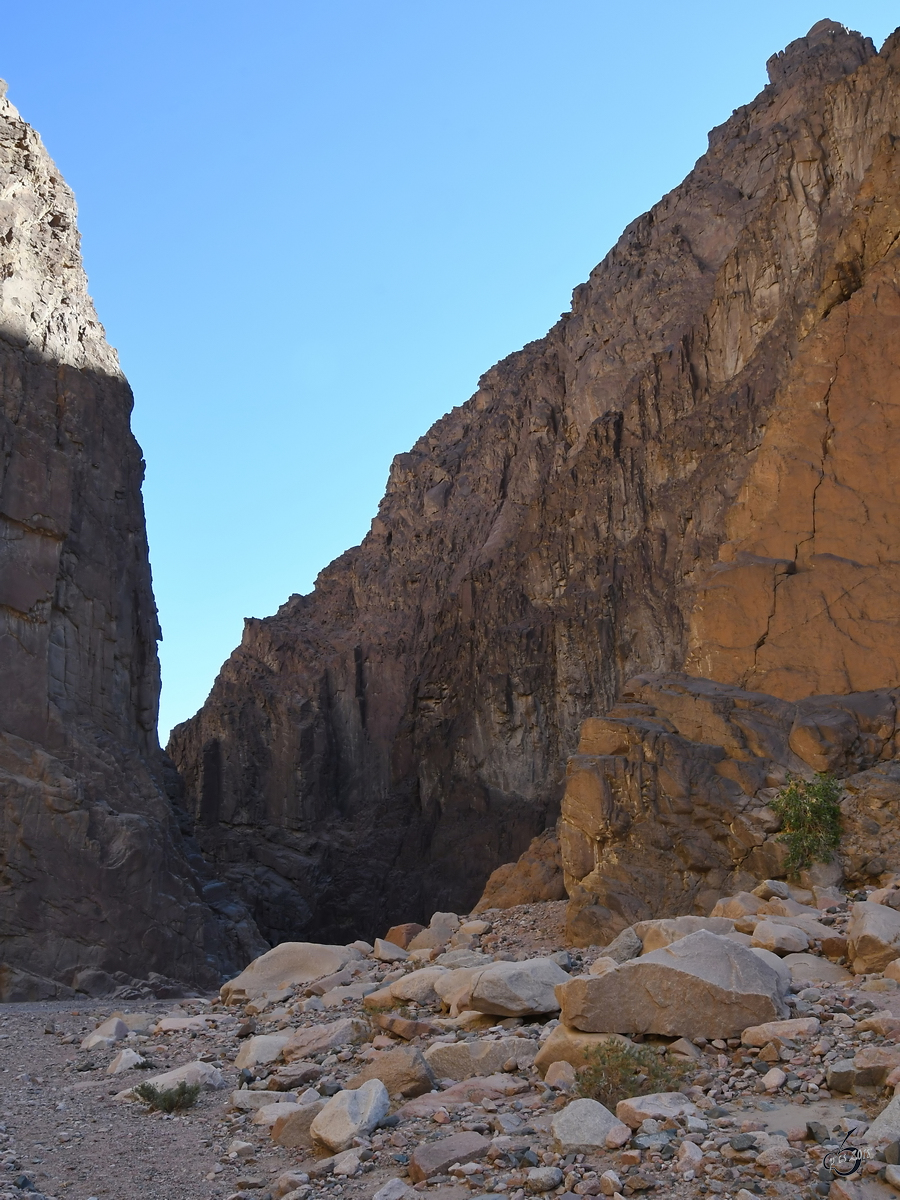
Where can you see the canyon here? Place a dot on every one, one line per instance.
(693, 472)
(648, 570)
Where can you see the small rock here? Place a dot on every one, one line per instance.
(433, 1158)
(610, 1183)
(125, 1060)
(774, 1079)
(543, 1179)
(389, 952)
(587, 1127)
(659, 1106)
(560, 1075)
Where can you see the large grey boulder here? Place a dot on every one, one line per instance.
(873, 937)
(518, 989)
(700, 986)
(351, 1114)
(665, 930)
(285, 966)
(318, 1038)
(588, 1127)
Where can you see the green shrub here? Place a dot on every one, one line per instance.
(811, 820)
(615, 1070)
(168, 1100)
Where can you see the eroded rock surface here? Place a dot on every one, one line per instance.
(691, 470)
(97, 885)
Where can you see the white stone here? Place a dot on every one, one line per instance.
(543, 1179)
(387, 952)
(780, 939)
(262, 1049)
(394, 1189)
(659, 1106)
(125, 1060)
(350, 1114)
(795, 1027)
(248, 1101)
(690, 1156)
(346, 1164)
(774, 1079)
(479, 1057)
(267, 1114)
(418, 986)
(192, 1072)
(610, 1183)
(517, 989)
(700, 986)
(286, 966)
(587, 1127)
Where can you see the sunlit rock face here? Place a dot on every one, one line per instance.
(96, 886)
(692, 471)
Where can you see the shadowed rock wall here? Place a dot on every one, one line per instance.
(372, 751)
(96, 886)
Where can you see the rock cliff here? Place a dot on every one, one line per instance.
(97, 885)
(691, 471)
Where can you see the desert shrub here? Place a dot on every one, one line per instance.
(810, 815)
(615, 1070)
(168, 1100)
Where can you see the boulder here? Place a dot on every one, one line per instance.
(455, 989)
(462, 1060)
(318, 1038)
(873, 1064)
(291, 1130)
(287, 965)
(125, 1060)
(560, 1075)
(403, 1071)
(625, 946)
(389, 952)
(543, 1179)
(600, 965)
(700, 986)
(262, 1049)
(796, 1027)
(433, 1158)
(402, 935)
(772, 889)
(245, 1100)
(441, 929)
(276, 1110)
(809, 968)
(351, 1114)
(873, 936)
(193, 1072)
(780, 939)
(659, 1106)
(662, 932)
(394, 1189)
(587, 1127)
(518, 989)
(418, 986)
(744, 904)
(570, 1045)
(536, 876)
(886, 1126)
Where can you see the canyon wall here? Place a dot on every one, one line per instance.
(98, 887)
(691, 471)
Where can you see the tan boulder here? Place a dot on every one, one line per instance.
(664, 931)
(287, 965)
(779, 939)
(809, 968)
(418, 986)
(441, 929)
(479, 1057)
(795, 1027)
(570, 1045)
(403, 1071)
(658, 1106)
(318, 1038)
(262, 1049)
(517, 989)
(455, 988)
(873, 936)
(699, 986)
(292, 1129)
(744, 904)
(402, 935)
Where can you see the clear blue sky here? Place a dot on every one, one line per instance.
(310, 226)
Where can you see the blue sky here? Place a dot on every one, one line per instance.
(309, 227)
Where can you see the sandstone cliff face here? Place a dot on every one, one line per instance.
(666, 806)
(608, 502)
(95, 883)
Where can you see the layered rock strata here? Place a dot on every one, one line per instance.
(96, 886)
(690, 471)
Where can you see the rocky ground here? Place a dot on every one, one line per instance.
(752, 1115)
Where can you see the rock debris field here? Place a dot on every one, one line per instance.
(446, 1061)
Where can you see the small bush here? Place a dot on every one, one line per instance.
(168, 1100)
(811, 820)
(615, 1070)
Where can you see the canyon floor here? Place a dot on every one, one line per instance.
(65, 1134)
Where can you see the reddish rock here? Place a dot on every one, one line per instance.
(694, 470)
(433, 1158)
(402, 935)
(536, 875)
